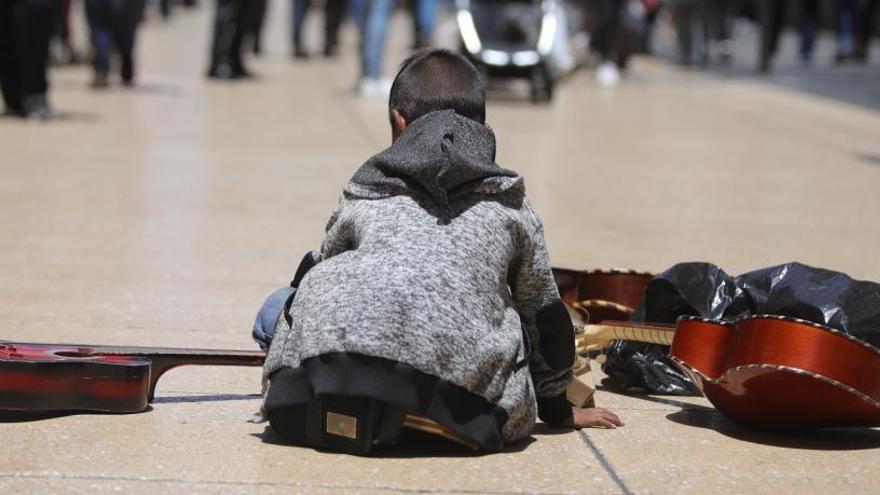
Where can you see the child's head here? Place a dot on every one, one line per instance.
(433, 80)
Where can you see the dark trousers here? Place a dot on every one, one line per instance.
(26, 27)
(607, 39)
(866, 16)
(255, 24)
(333, 13)
(771, 15)
(113, 23)
(62, 24)
(230, 27)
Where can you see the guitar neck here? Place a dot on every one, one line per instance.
(163, 359)
(178, 356)
(598, 336)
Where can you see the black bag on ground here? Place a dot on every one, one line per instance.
(703, 289)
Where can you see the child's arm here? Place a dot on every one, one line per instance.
(547, 325)
(551, 335)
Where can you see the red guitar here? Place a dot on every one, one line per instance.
(777, 373)
(59, 377)
(766, 372)
(52, 377)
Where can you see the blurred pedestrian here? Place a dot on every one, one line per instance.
(607, 40)
(424, 14)
(26, 28)
(256, 22)
(230, 26)
(374, 30)
(771, 15)
(846, 11)
(691, 28)
(334, 12)
(113, 25)
(63, 49)
(866, 17)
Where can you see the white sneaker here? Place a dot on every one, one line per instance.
(374, 88)
(607, 75)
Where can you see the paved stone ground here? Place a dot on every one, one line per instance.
(162, 215)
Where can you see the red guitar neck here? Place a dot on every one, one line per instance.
(163, 359)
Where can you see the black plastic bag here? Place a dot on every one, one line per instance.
(703, 289)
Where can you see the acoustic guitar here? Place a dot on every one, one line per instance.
(766, 372)
(600, 294)
(63, 377)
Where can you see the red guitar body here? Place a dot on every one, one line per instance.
(598, 295)
(59, 377)
(777, 373)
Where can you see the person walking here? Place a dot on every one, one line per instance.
(230, 27)
(26, 28)
(113, 26)
(334, 12)
(374, 30)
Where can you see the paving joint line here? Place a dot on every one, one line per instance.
(609, 468)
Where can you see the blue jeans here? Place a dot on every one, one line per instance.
(426, 19)
(374, 28)
(846, 10)
(264, 325)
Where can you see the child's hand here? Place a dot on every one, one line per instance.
(593, 416)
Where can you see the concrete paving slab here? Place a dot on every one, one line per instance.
(684, 445)
(180, 442)
(165, 214)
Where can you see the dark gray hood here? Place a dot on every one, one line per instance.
(441, 154)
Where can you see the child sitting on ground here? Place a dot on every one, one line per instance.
(432, 293)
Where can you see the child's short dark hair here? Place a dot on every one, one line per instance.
(438, 79)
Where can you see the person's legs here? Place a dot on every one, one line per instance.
(229, 25)
(334, 10)
(299, 9)
(681, 16)
(255, 24)
(357, 10)
(866, 17)
(66, 54)
(373, 34)
(809, 21)
(127, 18)
(426, 19)
(224, 25)
(770, 16)
(845, 29)
(99, 17)
(264, 325)
(242, 15)
(607, 40)
(36, 21)
(10, 61)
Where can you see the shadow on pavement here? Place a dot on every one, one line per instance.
(822, 439)
(30, 416)
(204, 398)
(701, 416)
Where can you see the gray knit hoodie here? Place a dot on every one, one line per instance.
(435, 258)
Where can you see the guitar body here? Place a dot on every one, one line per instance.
(598, 295)
(63, 377)
(776, 373)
